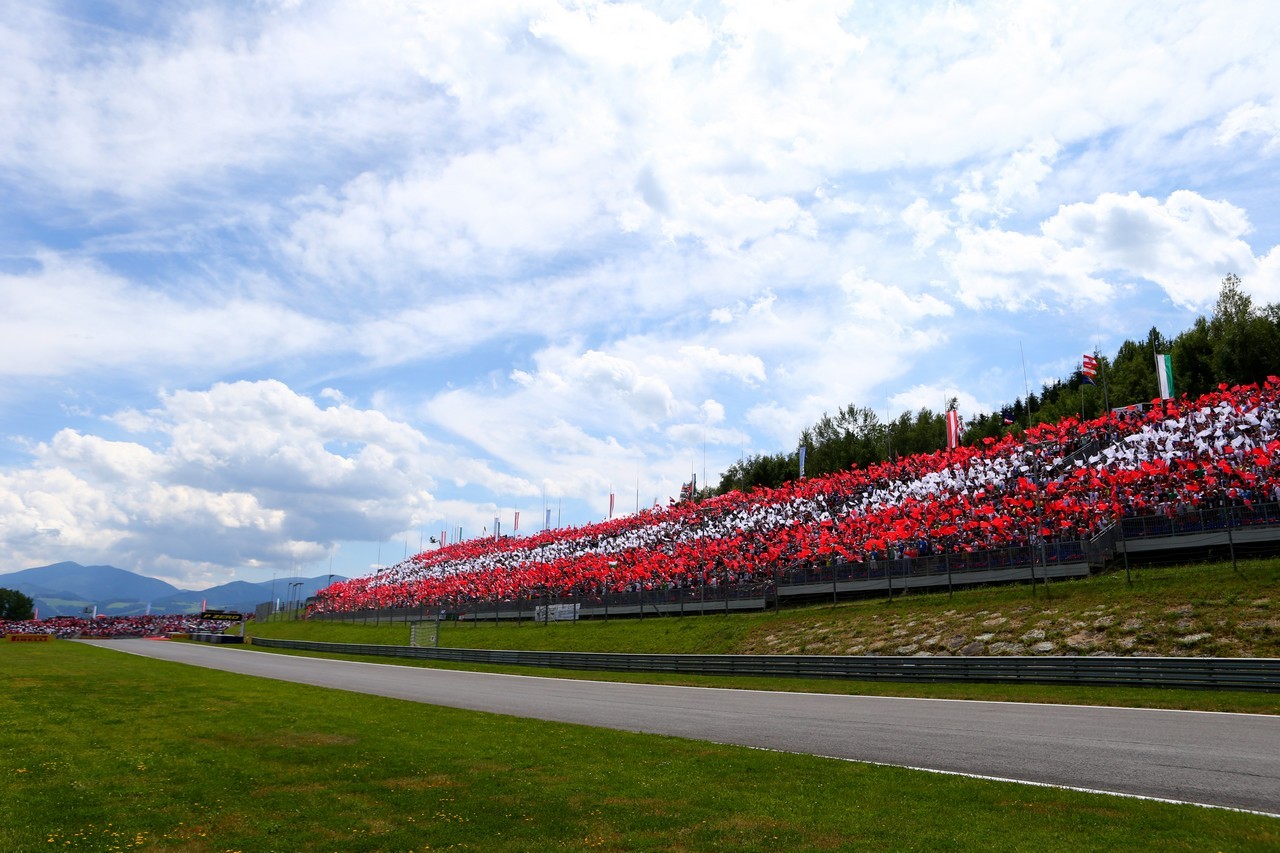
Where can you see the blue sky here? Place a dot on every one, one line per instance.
(288, 285)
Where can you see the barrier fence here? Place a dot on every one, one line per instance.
(1255, 674)
(1232, 517)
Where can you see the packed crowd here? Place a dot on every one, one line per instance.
(67, 627)
(1055, 483)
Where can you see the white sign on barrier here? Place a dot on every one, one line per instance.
(556, 612)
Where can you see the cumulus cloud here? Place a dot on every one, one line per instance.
(1252, 120)
(929, 225)
(602, 375)
(871, 300)
(577, 241)
(935, 398)
(242, 474)
(1184, 245)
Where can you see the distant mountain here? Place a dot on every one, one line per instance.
(91, 582)
(67, 589)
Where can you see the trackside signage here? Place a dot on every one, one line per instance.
(28, 638)
(221, 616)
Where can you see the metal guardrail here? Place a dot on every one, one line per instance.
(1236, 516)
(216, 638)
(1257, 674)
(1032, 560)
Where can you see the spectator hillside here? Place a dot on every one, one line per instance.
(65, 627)
(1057, 483)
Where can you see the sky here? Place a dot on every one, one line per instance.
(290, 288)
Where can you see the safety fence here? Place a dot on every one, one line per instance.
(1202, 520)
(215, 638)
(1256, 674)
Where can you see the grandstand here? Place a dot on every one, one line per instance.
(112, 627)
(1058, 501)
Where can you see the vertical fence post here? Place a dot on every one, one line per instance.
(1031, 555)
(1124, 543)
(1231, 540)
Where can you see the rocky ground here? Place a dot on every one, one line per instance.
(1240, 620)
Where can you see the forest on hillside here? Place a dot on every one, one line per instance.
(1238, 344)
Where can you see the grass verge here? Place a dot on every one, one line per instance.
(1239, 702)
(1160, 608)
(105, 751)
(1206, 609)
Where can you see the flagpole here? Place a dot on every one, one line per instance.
(1025, 384)
(704, 457)
(1106, 399)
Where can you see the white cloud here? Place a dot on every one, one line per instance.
(71, 316)
(935, 398)
(929, 225)
(576, 240)
(870, 300)
(1251, 120)
(778, 424)
(210, 90)
(748, 369)
(608, 377)
(1185, 245)
(1020, 177)
(242, 474)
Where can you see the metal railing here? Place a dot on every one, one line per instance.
(1206, 520)
(1256, 674)
(674, 601)
(939, 565)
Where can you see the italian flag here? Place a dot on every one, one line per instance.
(1164, 374)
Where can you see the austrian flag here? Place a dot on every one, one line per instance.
(953, 429)
(1090, 369)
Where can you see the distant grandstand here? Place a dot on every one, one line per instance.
(113, 627)
(1053, 503)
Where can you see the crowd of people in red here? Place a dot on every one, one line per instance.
(1051, 484)
(67, 627)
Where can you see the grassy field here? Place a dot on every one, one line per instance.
(105, 751)
(1183, 610)
(1170, 603)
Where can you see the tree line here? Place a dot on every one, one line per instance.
(15, 606)
(1238, 344)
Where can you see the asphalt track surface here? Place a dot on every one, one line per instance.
(1226, 760)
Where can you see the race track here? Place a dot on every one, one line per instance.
(1227, 760)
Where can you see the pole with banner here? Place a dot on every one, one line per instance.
(1164, 375)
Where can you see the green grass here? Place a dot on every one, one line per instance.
(1234, 614)
(1169, 602)
(105, 751)
(1241, 702)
